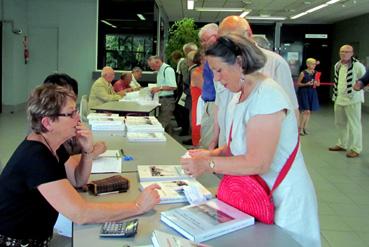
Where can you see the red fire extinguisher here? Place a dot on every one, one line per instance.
(26, 51)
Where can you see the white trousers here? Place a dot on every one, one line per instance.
(347, 119)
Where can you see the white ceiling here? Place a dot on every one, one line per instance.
(345, 9)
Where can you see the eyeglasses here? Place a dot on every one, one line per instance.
(72, 114)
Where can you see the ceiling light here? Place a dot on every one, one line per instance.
(142, 18)
(220, 9)
(190, 4)
(108, 23)
(245, 12)
(315, 9)
(270, 18)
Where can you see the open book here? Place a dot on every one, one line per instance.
(110, 161)
(163, 239)
(172, 191)
(206, 220)
(161, 173)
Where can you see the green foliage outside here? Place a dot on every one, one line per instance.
(180, 33)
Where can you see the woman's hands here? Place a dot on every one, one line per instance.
(198, 163)
(84, 138)
(148, 198)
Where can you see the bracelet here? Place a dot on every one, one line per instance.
(87, 153)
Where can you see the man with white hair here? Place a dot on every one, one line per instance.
(102, 90)
(136, 75)
(208, 36)
(276, 68)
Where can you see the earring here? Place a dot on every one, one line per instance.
(242, 79)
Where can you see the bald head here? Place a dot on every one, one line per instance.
(108, 73)
(235, 24)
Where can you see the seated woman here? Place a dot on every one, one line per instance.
(262, 133)
(36, 183)
(122, 86)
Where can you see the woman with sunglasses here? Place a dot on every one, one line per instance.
(36, 183)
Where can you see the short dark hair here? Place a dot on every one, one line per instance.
(63, 80)
(230, 46)
(47, 100)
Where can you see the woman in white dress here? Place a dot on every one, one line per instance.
(264, 134)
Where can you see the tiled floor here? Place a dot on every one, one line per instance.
(342, 184)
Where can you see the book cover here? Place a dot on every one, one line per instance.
(94, 115)
(172, 191)
(146, 137)
(161, 173)
(163, 239)
(206, 220)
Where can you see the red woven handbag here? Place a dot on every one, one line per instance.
(251, 194)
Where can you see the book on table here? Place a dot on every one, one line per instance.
(94, 115)
(146, 137)
(206, 220)
(164, 239)
(173, 191)
(107, 123)
(161, 173)
(110, 161)
(143, 124)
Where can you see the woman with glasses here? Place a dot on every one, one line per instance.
(37, 183)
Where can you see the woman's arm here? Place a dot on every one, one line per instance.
(78, 167)
(66, 200)
(299, 81)
(261, 140)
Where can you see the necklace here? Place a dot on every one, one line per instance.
(48, 145)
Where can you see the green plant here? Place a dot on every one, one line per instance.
(180, 33)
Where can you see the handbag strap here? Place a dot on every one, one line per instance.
(286, 167)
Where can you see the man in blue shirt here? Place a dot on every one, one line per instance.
(208, 36)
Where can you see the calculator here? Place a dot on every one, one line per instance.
(124, 229)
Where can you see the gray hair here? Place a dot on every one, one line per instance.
(211, 27)
(154, 57)
(136, 69)
(46, 100)
(232, 46)
(189, 47)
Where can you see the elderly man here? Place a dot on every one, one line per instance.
(347, 103)
(102, 91)
(166, 84)
(276, 68)
(136, 75)
(122, 86)
(208, 36)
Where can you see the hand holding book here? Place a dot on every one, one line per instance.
(148, 199)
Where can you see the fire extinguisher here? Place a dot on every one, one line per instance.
(26, 51)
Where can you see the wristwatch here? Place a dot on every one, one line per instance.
(212, 164)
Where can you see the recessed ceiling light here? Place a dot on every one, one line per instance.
(142, 18)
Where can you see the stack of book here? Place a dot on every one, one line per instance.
(144, 129)
(172, 181)
(105, 122)
(207, 220)
(147, 124)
